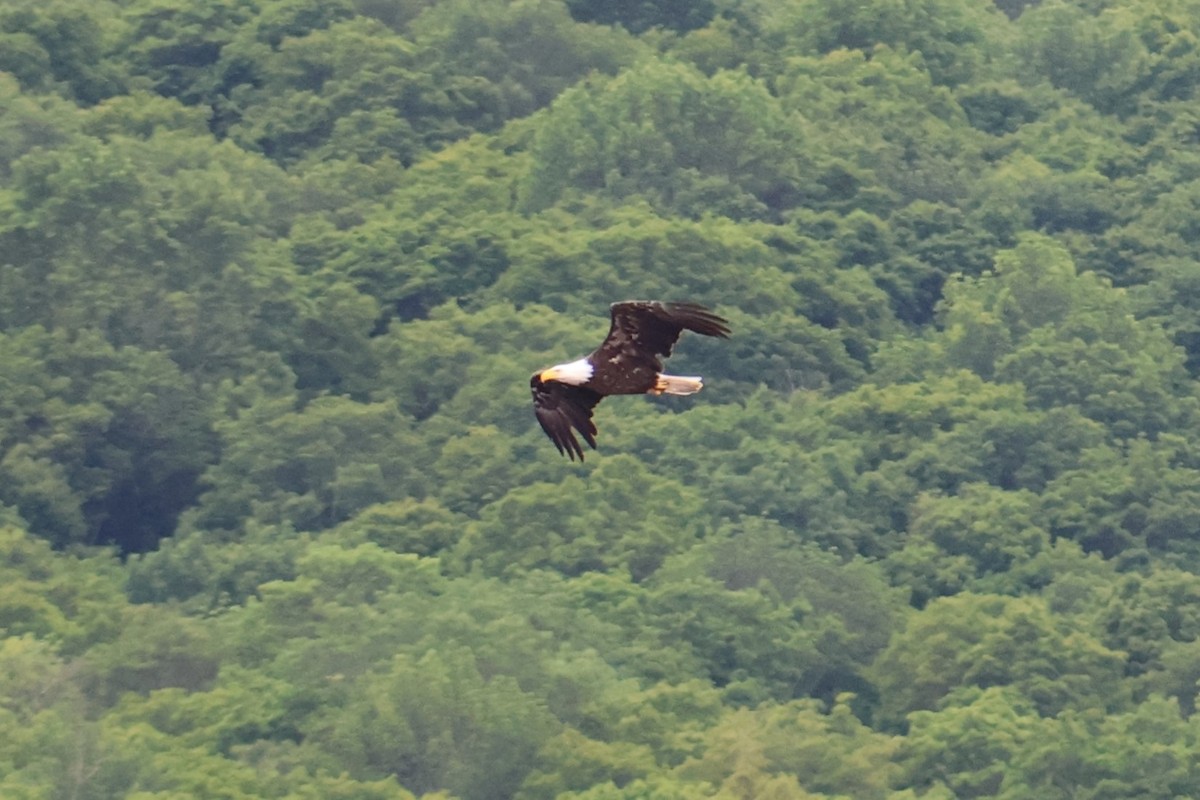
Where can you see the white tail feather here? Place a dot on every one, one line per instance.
(675, 384)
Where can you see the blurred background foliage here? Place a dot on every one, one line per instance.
(276, 520)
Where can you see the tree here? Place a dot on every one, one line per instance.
(68, 603)
(972, 540)
(958, 644)
(952, 38)
(61, 44)
(158, 243)
(1140, 752)
(880, 131)
(179, 48)
(637, 17)
(573, 526)
(311, 467)
(571, 762)
(668, 133)
(794, 750)
(1070, 339)
(529, 52)
(846, 607)
(154, 650)
(1139, 495)
(969, 748)
(1114, 60)
(437, 723)
(102, 445)
(1149, 618)
(422, 527)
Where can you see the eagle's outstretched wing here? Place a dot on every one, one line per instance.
(559, 407)
(654, 327)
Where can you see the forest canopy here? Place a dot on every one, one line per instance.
(276, 520)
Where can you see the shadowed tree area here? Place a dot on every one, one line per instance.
(638, 16)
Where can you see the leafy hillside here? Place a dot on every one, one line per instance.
(276, 520)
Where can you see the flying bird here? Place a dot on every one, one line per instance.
(628, 361)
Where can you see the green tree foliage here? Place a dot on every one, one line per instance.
(147, 242)
(980, 537)
(971, 641)
(639, 16)
(276, 520)
(528, 52)
(968, 748)
(952, 38)
(665, 132)
(1149, 618)
(792, 751)
(341, 457)
(66, 603)
(904, 134)
(1139, 752)
(575, 526)
(62, 46)
(101, 444)
(846, 608)
(438, 723)
(1114, 58)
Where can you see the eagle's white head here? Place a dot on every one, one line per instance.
(575, 373)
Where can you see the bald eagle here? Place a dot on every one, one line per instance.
(628, 361)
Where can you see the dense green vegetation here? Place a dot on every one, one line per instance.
(276, 520)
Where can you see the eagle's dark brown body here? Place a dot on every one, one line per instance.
(629, 361)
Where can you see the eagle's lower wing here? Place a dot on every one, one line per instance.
(655, 326)
(559, 407)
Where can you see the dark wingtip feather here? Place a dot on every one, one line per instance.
(698, 319)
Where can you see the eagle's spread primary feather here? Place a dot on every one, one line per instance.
(628, 361)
